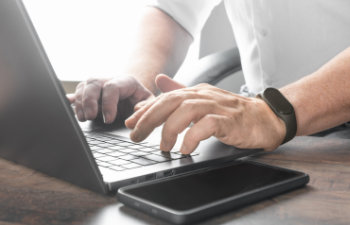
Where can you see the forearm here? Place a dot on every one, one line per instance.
(160, 47)
(322, 99)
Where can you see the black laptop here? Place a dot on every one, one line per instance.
(38, 128)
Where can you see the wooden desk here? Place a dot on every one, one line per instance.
(28, 197)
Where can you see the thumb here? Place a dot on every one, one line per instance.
(166, 84)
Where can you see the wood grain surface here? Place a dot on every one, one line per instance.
(29, 197)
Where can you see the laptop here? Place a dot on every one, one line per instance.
(38, 128)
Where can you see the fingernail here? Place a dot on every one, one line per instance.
(132, 116)
(134, 136)
(129, 122)
(104, 116)
(184, 150)
(127, 119)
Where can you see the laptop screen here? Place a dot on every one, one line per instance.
(38, 128)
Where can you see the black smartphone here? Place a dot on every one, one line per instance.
(195, 196)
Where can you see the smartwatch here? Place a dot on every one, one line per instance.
(282, 108)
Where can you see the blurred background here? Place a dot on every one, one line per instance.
(85, 38)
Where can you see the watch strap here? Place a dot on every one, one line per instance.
(288, 116)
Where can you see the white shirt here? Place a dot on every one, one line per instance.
(279, 41)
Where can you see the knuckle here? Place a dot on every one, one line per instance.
(88, 101)
(205, 87)
(227, 140)
(171, 96)
(93, 81)
(201, 85)
(235, 100)
(109, 85)
(169, 129)
(189, 104)
(236, 116)
(211, 121)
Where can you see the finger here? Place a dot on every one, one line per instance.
(91, 95)
(71, 97)
(166, 84)
(134, 118)
(157, 113)
(119, 89)
(189, 111)
(140, 105)
(110, 99)
(143, 103)
(206, 127)
(79, 102)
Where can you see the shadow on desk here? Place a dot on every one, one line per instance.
(29, 197)
(126, 215)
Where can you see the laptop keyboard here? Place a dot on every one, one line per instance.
(118, 154)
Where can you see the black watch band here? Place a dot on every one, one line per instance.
(282, 108)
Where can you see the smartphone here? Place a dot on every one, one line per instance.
(201, 194)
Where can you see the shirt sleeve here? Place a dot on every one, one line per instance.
(190, 14)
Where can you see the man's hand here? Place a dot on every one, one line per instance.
(107, 92)
(233, 119)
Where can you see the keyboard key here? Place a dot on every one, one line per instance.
(118, 162)
(116, 147)
(143, 162)
(127, 150)
(105, 171)
(98, 155)
(103, 164)
(106, 145)
(107, 158)
(136, 147)
(104, 150)
(116, 153)
(94, 142)
(125, 144)
(152, 146)
(169, 155)
(120, 154)
(139, 153)
(147, 149)
(114, 141)
(128, 157)
(131, 165)
(156, 158)
(102, 138)
(94, 148)
(192, 154)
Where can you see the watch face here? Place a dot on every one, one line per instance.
(278, 101)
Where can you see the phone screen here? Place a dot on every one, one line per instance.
(195, 190)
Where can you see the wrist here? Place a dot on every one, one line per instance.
(276, 125)
(283, 109)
